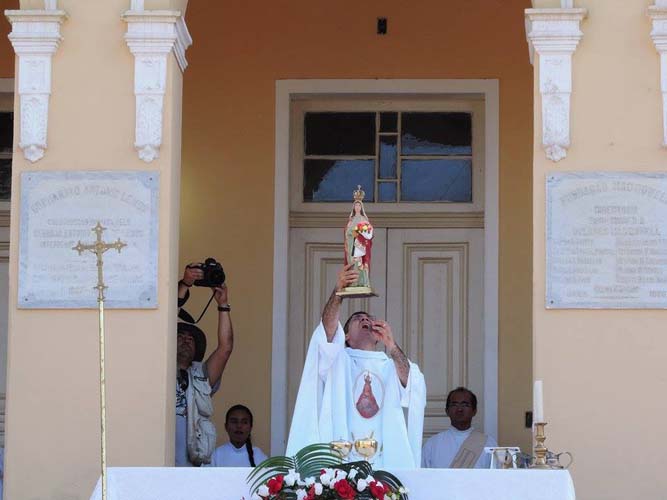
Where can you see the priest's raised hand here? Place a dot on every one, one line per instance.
(382, 332)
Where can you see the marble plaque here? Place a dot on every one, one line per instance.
(59, 209)
(606, 240)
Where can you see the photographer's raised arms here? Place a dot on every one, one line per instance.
(197, 381)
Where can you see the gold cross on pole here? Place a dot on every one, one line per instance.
(98, 248)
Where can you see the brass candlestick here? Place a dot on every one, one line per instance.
(540, 449)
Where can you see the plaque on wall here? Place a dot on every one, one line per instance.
(59, 209)
(606, 242)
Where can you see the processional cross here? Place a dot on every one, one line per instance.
(98, 248)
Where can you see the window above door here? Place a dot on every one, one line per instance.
(407, 154)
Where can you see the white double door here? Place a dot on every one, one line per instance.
(430, 286)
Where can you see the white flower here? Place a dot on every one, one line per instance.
(340, 474)
(263, 491)
(361, 485)
(387, 497)
(301, 494)
(318, 488)
(310, 481)
(403, 490)
(255, 496)
(326, 477)
(353, 473)
(370, 479)
(291, 477)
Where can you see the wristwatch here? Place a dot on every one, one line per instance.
(225, 308)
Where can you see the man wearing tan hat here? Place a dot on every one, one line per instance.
(195, 433)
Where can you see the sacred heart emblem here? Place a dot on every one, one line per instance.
(367, 404)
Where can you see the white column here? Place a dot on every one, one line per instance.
(35, 37)
(658, 15)
(151, 36)
(554, 34)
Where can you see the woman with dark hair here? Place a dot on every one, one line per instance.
(239, 452)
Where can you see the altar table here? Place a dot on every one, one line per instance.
(227, 483)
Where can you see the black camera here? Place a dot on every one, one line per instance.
(213, 273)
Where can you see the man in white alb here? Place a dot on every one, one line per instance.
(459, 447)
(351, 391)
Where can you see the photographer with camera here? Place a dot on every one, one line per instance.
(197, 380)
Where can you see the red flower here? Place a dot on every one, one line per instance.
(378, 489)
(344, 490)
(311, 493)
(275, 484)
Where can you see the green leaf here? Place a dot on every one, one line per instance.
(391, 480)
(313, 458)
(308, 462)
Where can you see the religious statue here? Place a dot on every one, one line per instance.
(358, 245)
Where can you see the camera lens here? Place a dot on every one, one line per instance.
(218, 276)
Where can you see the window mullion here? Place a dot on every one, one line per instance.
(399, 159)
(376, 187)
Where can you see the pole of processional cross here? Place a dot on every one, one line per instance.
(98, 248)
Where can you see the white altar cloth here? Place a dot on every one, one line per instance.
(227, 483)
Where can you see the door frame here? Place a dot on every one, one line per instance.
(286, 90)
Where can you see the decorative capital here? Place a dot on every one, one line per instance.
(35, 37)
(35, 31)
(553, 30)
(658, 15)
(151, 36)
(554, 34)
(157, 32)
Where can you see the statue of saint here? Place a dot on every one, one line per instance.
(358, 244)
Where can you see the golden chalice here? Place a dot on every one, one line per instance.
(342, 447)
(366, 447)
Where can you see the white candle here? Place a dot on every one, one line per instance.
(538, 402)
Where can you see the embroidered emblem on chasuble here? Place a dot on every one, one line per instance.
(368, 405)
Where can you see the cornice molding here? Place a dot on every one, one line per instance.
(151, 36)
(658, 15)
(35, 37)
(554, 34)
(393, 220)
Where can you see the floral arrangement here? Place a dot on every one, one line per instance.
(317, 473)
(363, 227)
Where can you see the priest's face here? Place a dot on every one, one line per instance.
(460, 410)
(360, 332)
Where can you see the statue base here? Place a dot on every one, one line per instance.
(354, 292)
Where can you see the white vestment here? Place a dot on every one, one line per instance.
(229, 455)
(334, 380)
(440, 450)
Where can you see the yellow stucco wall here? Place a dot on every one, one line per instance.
(227, 208)
(52, 400)
(239, 51)
(603, 371)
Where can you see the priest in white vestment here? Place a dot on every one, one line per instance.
(351, 391)
(461, 446)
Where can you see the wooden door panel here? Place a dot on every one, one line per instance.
(434, 302)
